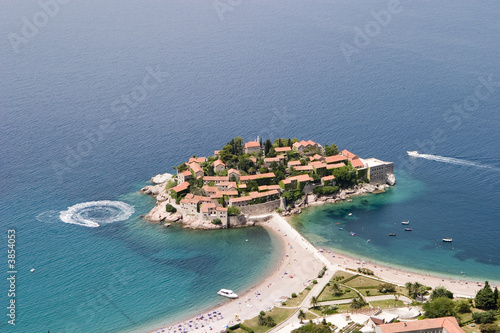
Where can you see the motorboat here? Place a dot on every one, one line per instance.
(392, 234)
(408, 229)
(352, 233)
(227, 293)
(448, 240)
(412, 153)
(405, 222)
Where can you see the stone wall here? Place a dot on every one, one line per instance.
(266, 207)
(237, 221)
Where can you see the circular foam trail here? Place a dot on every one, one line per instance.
(50, 216)
(95, 213)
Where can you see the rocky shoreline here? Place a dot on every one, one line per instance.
(159, 213)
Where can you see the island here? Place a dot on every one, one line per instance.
(243, 182)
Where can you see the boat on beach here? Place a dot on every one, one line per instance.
(448, 240)
(227, 293)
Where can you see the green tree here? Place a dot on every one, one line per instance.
(441, 292)
(314, 302)
(233, 211)
(345, 176)
(485, 298)
(439, 307)
(486, 317)
(267, 146)
(301, 316)
(216, 221)
(181, 167)
(357, 303)
(462, 306)
(170, 209)
(489, 328)
(331, 150)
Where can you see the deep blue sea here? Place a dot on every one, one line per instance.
(82, 118)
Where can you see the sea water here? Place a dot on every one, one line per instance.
(102, 95)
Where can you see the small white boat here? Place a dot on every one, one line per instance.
(350, 214)
(227, 293)
(405, 222)
(412, 153)
(448, 240)
(32, 270)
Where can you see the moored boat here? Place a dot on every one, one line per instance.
(392, 234)
(448, 240)
(227, 293)
(405, 222)
(408, 229)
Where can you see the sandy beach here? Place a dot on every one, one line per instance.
(298, 267)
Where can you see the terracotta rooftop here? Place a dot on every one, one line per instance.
(205, 208)
(216, 178)
(269, 187)
(198, 159)
(218, 162)
(207, 188)
(357, 163)
(348, 154)
(318, 164)
(254, 177)
(230, 171)
(251, 144)
(301, 178)
(335, 159)
(327, 178)
(180, 187)
(282, 149)
(335, 165)
(303, 168)
(186, 173)
(450, 324)
(293, 163)
(195, 167)
(216, 152)
(272, 159)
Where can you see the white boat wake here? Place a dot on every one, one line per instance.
(450, 160)
(94, 213)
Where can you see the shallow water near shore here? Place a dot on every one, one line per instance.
(375, 216)
(269, 69)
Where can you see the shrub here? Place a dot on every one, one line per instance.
(489, 328)
(484, 317)
(233, 211)
(365, 271)
(294, 295)
(315, 281)
(216, 221)
(463, 306)
(170, 208)
(386, 288)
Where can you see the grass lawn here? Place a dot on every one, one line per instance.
(297, 300)
(344, 275)
(388, 303)
(278, 314)
(327, 294)
(363, 281)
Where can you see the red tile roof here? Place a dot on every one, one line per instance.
(216, 178)
(271, 159)
(251, 144)
(294, 163)
(198, 159)
(230, 171)
(318, 164)
(448, 323)
(357, 163)
(254, 177)
(206, 207)
(269, 187)
(240, 199)
(282, 149)
(335, 165)
(327, 178)
(186, 173)
(256, 195)
(218, 162)
(221, 209)
(335, 159)
(195, 167)
(180, 187)
(348, 154)
(303, 168)
(301, 178)
(216, 152)
(228, 193)
(209, 189)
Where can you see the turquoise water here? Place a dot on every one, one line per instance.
(274, 69)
